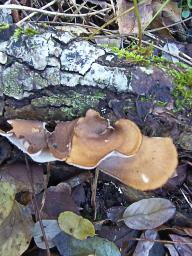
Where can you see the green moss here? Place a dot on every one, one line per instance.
(70, 105)
(27, 31)
(4, 26)
(183, 90)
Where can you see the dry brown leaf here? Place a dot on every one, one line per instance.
(181, 247)
(148, 213)
(170, 14)
(128, 22)
(60, 196)
(18, 175)
(16, 231)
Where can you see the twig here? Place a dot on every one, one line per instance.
(160, 48)
(46, 185)
(36, 207)
(79, 179)
(31, 9)
(158, 241)
(157, 13)
(189, 203)
(169, 26)
(34, 13)
(94, 192)
(112, 20)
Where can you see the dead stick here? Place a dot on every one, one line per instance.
(37, 209)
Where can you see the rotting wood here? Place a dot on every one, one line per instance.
(56, 75)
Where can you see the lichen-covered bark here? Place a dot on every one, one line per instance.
(55, 75)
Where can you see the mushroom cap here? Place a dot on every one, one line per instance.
(31, 134)
(59, 141)
(131, 135)
(150, 168)
(94, 138)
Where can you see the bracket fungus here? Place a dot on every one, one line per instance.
(119, 150)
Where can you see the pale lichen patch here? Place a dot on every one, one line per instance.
(147, 70)
(79, 56)
(104, 77)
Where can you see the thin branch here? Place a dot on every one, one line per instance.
(36, 207)
(157, 13)
(160, 48)
(34, 13)
(169, 26)
(158, 241)
(49, 13)
(112, 20)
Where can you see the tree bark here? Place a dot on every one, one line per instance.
(57, 76)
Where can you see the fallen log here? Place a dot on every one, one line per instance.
(57, 75)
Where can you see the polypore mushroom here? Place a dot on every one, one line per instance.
(150, 168)
(31, 134)
(120, 150)
(94, 139)
(30, 137)
(59, 141)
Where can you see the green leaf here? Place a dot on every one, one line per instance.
(16, 231)
(189, 2)
(76, 225)
(96, 246)
(7, 196)
(185, 13)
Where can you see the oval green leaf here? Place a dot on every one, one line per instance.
(75, 225)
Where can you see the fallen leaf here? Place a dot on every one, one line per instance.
(170, 14)
(182, 249)
(7, 196)
(60, 196)
(172, 49)
(114, 213)
(145, 248)
(128, 22)
(76, 225)
(18, 175)
(16, 231)
(172, 250)
(119, 234)
(51, 229)
(148, 213)
(96, 246)
(176, 181)
(5, 150)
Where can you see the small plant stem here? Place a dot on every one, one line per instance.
(112, 20)
(138, 17)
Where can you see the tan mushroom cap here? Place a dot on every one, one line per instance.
(59, 142)
(149, 169)
(131, 135)
(32, 133)
(94, 138)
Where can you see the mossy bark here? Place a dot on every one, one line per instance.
(56, 75)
